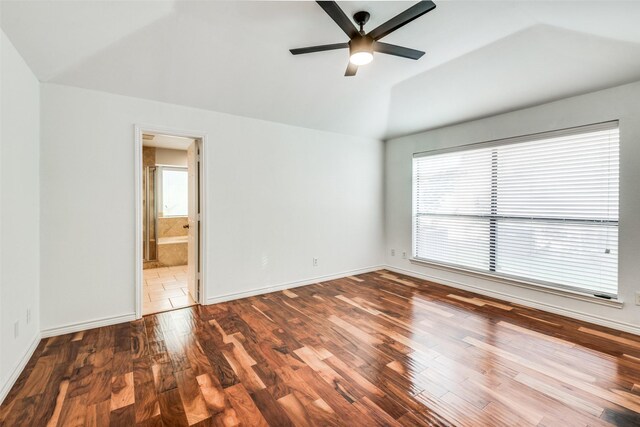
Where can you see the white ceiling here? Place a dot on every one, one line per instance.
(483, 57)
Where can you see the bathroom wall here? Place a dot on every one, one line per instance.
(172, 226)
(148, 156)
(169, 157)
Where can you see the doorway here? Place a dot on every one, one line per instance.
(169, 226)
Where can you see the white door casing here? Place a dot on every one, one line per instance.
(202, 139)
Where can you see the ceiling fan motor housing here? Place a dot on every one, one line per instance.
(361, 44)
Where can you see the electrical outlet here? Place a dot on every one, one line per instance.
(315, 262)
(637, 298)
(16, 329)
(404, 255)
(393, 252)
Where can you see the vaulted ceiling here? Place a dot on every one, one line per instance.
(483, 57)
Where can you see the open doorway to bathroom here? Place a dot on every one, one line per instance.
(170, 226)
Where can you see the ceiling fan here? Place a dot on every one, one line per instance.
(362, 45)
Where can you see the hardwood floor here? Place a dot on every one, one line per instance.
(377, 349)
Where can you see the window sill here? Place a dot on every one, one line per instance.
(615, 303)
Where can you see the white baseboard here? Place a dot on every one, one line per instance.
(574, 314)
(290, 285)
(91, 324)
(18, 368)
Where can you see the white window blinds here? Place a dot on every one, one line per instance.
(543, 208)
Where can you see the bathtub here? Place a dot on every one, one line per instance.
(172, 250)
(173, 240)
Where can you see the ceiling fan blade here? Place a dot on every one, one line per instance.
(321, 48)
(343, 21)
(352, 69)
(392, 49)
(414, 12)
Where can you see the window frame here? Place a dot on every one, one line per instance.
(551, 287)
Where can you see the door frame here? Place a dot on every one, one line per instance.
(139, 129)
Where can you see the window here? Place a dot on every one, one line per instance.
(174, 197)
(541, 208)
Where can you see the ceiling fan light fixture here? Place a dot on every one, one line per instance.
(361, 58)
(361, 50)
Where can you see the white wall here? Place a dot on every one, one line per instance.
(277, 197)
(621, 103)
(19, 216)
(169, 157)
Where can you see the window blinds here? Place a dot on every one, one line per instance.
(543, 208)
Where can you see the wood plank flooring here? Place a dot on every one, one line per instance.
(378, 349)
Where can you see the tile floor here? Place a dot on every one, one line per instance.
(165, 289)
